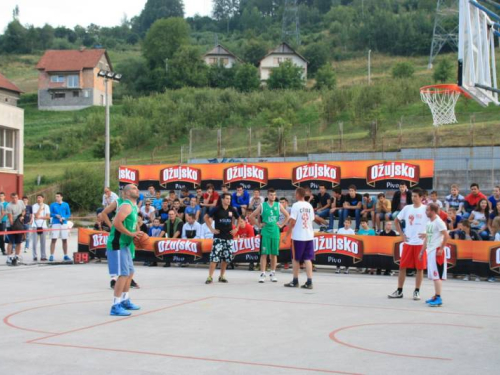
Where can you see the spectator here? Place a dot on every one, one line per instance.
(453, 218)
(199, 195)
(495, 212)
(322, 209)
(455, 200)
(282, 222)
(192, 229)
(193, 209)
(471, 200)
(155, 229)
(365, 230)
(150, 194)
(59, 213)
(496, 228)
(3, 220)
(368, 205)
(141, 224)
(245, 229)
(41, 213)
(240, 200)
(206, 233)
(336, 209)
(15, 218)
(162, 214)
(464, 232)
(157, 201)
(171, 198)
(495, 197)
(443, 215)
(186, 197)
(401, 198)
(434, 199)
(140, 201)
(179, 210)
(28, 220)
(210, 199)
(345, 230)
(311, 198)
(383, 211)
(388, 231)
(425, 197)
(352, 205)
(479, 219)
(256, 200)
(148, 212)
(100, 224)
(173, 226)
(108, 197)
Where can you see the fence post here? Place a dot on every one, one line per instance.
(374, 129)
(182, 153)
(400, 136)
(219, 142)
(249, 142)
(295, 144)
(471, 129)
(341, 133)
(307, 139)
(190, 143)
(258, 149)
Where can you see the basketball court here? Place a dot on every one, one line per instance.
(56, 320)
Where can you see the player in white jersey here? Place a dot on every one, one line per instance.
(415, 220)
(301, 228)
(435, 242)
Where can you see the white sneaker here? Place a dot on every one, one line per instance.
(262, 277)
(416, 295)
(9, 260)
(346, 271)
(273, 277)
(337, 270)
(478, 278)
(466, 278)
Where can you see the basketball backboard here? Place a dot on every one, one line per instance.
(477, 71)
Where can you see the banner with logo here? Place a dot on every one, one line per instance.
(463, 257)
(366, 175)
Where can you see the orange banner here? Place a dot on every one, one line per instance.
(368, 174)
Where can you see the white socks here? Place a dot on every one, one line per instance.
(116, 300)
(125, 296)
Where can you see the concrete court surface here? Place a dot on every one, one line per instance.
(55, 321)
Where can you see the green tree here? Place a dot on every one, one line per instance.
(115, 147)
(158, 9)
(164, 39)
(317, 54)
(81, 187)
(326, 78)
(403, 70)
(253, 51)
(286, 76)
(246, 78)
(14, 38)
(46, 35)
(186, 68)
(220, 77)
(443, 71)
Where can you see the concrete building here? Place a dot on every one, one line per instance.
(11, 138)
(220, 55)
(280, 54)
(68, 79)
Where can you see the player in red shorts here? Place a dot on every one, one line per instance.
(415, 219)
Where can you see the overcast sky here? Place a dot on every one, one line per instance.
(71, 12)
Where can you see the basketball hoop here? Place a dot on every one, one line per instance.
(442, 100)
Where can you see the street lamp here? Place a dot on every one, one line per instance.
(107, 75)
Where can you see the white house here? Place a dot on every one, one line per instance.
(280, 54)
(220, 55)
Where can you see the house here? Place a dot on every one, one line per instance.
(68, 79)
(220, 55)
(11, 138)
(278, 55)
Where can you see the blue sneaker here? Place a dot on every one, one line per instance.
(51, 258)
(128, 305)
(67, 258)
(436, 302)
(118, 310)
(430, 299)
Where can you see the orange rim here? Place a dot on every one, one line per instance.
(443, 89)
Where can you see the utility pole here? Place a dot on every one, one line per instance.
(445, 28)
(290, 31)
(107, 155)
(369, 67)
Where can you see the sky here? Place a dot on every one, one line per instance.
(70, 13)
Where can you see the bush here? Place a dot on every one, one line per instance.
(326, 78)
(403, 70)
(443, 71)
(286, 76)
(82, 187)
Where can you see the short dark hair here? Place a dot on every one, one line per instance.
(403, 183)
(322, 185)
(337, 189)
(301, 192)
(165, 200)
(38, 195)
(210, 186)
(243, 217)
(465, 223)
(13, 194)
(256, 189)
(59, 193)
(177, 200)
(1, 192)
(271, 190)
(171, 192)
(418, 191)
(25, 197)
(366, 195)
(381, 195)
(224, 195)
(433, 207)
(353, 187)
(239, 187)
(348, 218)
(172, 210)
(184, 189)
(364, 220)
(151, 186)
(284, 199)
(434, 192)
(474, 184)
(156, 218)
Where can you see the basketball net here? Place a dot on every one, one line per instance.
(442, 100)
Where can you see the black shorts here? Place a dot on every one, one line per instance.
(14, 238)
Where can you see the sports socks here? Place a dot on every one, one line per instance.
(400, 290)
(125, 296)
(309, 281)
(295, 280)
(116, 300)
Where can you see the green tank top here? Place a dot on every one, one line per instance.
(270, 217)
(118, 240)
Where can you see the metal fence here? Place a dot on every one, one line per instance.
(480, 129)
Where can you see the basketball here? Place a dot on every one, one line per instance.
(141, 242)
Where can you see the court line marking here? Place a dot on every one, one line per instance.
(333, 336)
(205, 359)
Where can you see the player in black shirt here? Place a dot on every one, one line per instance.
(226, 220)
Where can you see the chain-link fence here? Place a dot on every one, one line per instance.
(408, 132)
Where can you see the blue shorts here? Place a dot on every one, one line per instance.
(120, 262)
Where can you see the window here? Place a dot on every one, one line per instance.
(59, 95)
(73, 81)
(7, 142)
(76, 94)
(86, 93)
(57, 79)
(224, 61)
(213, 61)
